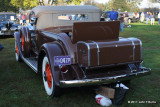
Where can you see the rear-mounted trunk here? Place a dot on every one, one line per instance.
(98, 53)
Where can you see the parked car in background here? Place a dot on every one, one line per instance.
(7, 23)
(132, 17)
(71, 47)
(107, 14)
(155, 13)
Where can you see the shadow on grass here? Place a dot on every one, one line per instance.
(6, 36)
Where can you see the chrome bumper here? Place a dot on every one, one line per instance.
(105, 80)
(6, 33)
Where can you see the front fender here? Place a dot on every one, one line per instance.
(17, 36)
(17, 40)
(52, 49)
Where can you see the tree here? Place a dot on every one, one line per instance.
(28, 4)
(123, 5)
(150, 9)
(61, 2)
(99, 5)
(76, 2)
(24, 4)
(50, 2)
(6, 6)
(154, 1)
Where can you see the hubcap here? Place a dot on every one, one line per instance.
(48, 76)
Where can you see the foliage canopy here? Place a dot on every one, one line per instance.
(6, 6)
(24, 4)
(123, 5)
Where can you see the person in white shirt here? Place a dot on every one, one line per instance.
(152, 18)
(159, 18)
(142, 17)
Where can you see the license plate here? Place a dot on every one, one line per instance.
(62, 60)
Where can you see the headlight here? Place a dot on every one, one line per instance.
(3, 28)
(13, 28)
(19, 26)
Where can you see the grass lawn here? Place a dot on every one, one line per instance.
(21, 86)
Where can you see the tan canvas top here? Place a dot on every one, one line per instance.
(49, 16)
(65, 9)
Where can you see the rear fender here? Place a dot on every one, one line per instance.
(51, 49)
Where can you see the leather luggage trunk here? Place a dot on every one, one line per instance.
(101, 53)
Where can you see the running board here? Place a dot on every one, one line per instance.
(32, 62)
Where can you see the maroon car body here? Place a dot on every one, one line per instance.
(98, 55)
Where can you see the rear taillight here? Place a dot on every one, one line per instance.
(64, 69)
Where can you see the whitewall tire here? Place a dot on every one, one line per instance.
(48, 81)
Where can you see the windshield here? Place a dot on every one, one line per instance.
(7, 17)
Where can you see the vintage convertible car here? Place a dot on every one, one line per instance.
(71, 47)
(7, 23)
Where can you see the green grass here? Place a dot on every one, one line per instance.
(21, 86)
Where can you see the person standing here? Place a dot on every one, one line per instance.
(24, 19)
(137, 16)
(113, 15)
(142, 17)
(27, 18)
(126, 18)
(119, 11)
(21, 20)
(159, 18)
(152, 19)
(121, 19)
(147, 17)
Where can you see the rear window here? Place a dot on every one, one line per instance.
(73, 17)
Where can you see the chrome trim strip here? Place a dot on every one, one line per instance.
(87, 44)
(98, 51)
(133, 50)
(140, 48)
(109, 65)
(105, 80)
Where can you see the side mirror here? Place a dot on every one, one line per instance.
(33, 21)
